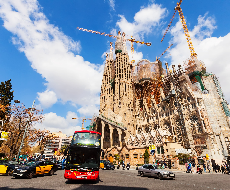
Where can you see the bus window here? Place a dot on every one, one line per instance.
(88, 139)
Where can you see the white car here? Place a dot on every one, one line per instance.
(155, 171)
(141, 168)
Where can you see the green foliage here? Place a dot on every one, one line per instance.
(117, 156)
(146, 156)
(183, 158)
(63, 148)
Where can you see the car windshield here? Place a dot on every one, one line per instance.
(83, 158)
(13, 162)
(158, 167)
(31, 163)
(2, 162)
(59, 162)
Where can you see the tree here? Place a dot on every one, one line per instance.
(44, 138)
(6, 95)
(183, 158)
(20, 119)
(63, 148)
(146, 156)
(116, 156)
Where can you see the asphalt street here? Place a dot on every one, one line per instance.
(121, 180)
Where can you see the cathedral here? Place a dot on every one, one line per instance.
(143, 105)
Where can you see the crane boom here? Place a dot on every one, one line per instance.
(178, 4)
(164, 51)
(186, 32)
(110, 35)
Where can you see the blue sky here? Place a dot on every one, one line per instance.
(60, 67)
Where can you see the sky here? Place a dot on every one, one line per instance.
(48, 60)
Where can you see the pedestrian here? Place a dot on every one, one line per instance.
(218, 167)
(208, 168)
(222, 168)
(204, 166)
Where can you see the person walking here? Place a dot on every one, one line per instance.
(222, 169)
(204, 166)
(208, 168)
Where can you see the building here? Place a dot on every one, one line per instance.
(178, 111)
(59, 141)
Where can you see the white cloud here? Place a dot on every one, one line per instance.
(51, 53)
(89, 109)
(112, 4)
(213, 51)
(144, 21)
(55, 123)
(47, 98)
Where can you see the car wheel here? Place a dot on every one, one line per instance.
(51, 172)
(160, 176)
(29, 175)
(10, 172)
(142, 174)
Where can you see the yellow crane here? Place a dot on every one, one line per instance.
(189, 41)
(132, 40)
(164, 52)
(83, 120)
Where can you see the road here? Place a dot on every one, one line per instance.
(121, 180)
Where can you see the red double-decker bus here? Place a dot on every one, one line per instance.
(83, 156)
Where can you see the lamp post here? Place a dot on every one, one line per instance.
(24, 135)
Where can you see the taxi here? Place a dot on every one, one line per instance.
(32, 169)
(7, 167)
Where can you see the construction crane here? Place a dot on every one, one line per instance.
(179, 9)
(164, 52)
(83, 120)
(132, 40)
(174, 14)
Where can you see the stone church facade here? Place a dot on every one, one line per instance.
(174, 111)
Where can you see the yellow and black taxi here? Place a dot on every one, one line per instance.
(33, 169)
(7, 167)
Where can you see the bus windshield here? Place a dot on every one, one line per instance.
(87, 139)
(83, 157)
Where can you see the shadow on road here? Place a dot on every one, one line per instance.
(23, 188)
(101, 187)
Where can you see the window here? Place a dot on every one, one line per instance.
(127, 155)
(158, 150)
(140, 155)
(135, 155)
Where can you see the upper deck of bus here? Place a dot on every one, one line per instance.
(86, 138)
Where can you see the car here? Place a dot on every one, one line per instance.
(33, 169)
(108, 166)
(156, 171)
(141, 168)
(7, 167)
